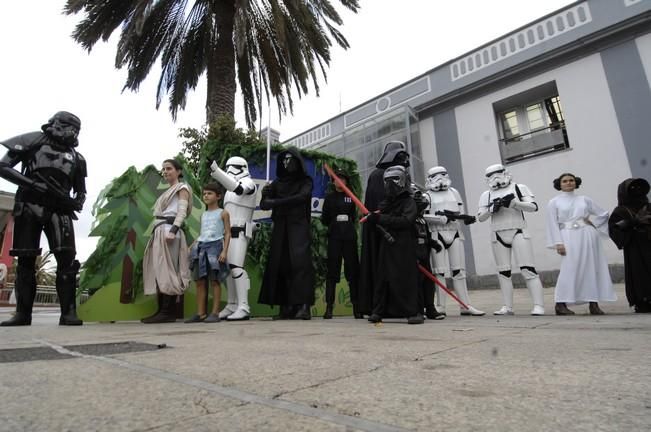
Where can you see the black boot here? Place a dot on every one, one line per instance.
(356, 313)
(303, 312)
(328, 312)
(286, 313)
(375, 318)
(416, 319)
(66, 285)
(167, 312)
(25, 293)
(432, 313)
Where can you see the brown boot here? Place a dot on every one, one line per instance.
(562, 309)
(166, 313)
(595, 310)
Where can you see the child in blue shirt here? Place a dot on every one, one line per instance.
(208, 253)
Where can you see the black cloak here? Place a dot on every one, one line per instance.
(289, 274)
(630, 229)
(396, 291)
(371, 239)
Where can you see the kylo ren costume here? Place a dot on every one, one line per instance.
(51, 169)
(289, 275)
(395, 153)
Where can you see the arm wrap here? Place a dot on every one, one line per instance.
(180, 216)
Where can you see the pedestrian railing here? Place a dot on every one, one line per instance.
(45, 295)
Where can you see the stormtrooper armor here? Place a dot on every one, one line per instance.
(51, 170)
(505, 203)
(450, 260)
(239, 201)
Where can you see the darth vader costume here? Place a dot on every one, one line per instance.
(629, 227)
(395, 153)
(289, 275)
(51, 169)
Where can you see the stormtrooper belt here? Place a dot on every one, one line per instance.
(342, 218)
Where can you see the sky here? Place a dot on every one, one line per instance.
(42, 71)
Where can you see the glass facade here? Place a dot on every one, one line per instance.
(365, 142)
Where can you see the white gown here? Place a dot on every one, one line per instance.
(584, 275)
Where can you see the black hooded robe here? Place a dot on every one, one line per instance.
(635, 240)
(289, 275)
(396, 293)
(371, 239)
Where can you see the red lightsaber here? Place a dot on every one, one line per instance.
(433, 278)
(365, 211)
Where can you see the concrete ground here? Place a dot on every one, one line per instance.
(519, 373)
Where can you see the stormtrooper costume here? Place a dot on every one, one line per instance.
(239, 202)
(505, 203)
(450, 260)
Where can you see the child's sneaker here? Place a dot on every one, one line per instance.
(212, 318)
(195, 319)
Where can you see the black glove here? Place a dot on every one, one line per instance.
(266, 191)
(79, 201)
(497, 204)
(506, 200)
(624, 224)
(643, 217)
(39, 187)
(469, 221)
(373, 218)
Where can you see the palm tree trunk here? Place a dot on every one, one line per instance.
(221, 63)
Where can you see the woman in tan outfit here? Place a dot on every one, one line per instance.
(165, 265)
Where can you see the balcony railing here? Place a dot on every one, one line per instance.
(540, 141)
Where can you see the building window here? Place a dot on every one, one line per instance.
(531, 124)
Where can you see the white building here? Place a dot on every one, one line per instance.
(569, 92)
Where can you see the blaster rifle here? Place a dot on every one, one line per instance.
(59, 197)
(500, 202)
(453, 216)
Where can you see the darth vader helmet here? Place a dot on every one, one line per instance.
(395, 153)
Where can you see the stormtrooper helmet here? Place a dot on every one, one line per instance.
(438, 179)
(395, 181)
(497, 177)
(237, 167)
(63, 127)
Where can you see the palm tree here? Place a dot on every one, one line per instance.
(267, 46)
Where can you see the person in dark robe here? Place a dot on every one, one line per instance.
(340, 216)
(396, 292)
(424, 245)
(395, 153)
(629, 227)
(289, 275)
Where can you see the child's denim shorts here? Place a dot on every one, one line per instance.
(204, 261)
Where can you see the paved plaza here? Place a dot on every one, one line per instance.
(519, 373)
